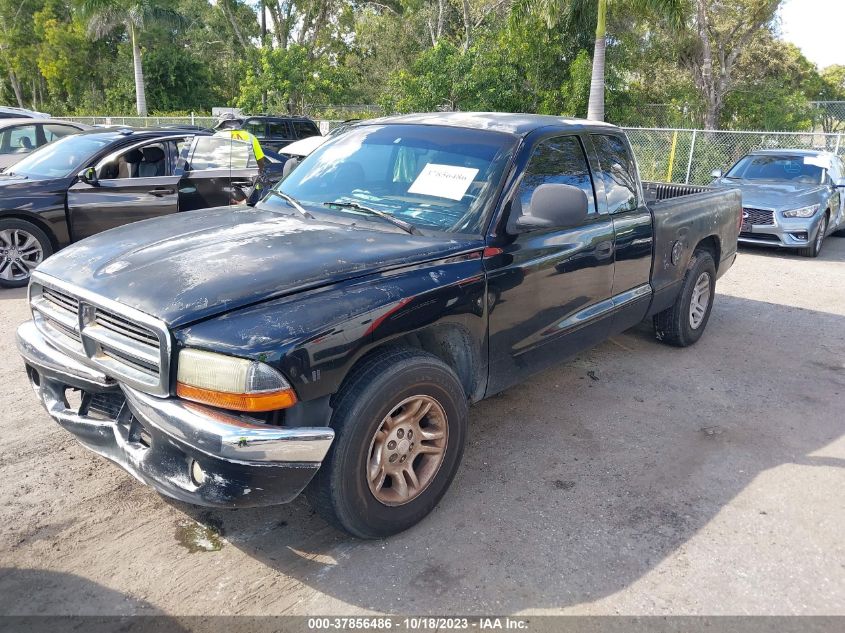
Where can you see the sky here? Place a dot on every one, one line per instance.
(817, 27)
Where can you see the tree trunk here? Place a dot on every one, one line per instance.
(16, 86)
(237, 31)
(467, 33)
(140, 93)
(711, 98)
(595, 108)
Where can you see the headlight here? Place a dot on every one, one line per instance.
(231, 383)
(803, 212)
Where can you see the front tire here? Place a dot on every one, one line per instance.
(684, 323)
(22, 247)
(815, 248)
(400, 424)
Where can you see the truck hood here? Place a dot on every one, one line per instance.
(778, 196)
(190, 266)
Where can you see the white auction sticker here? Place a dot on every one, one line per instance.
(817, 161)
(443, 181)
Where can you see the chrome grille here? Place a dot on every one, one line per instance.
(757, 217)
(126, 344)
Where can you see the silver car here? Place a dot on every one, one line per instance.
(791, 198)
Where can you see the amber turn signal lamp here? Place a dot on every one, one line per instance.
(227, 382)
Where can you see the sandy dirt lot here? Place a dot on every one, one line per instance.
(636, 479)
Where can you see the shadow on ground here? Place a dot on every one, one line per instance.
(581, 481)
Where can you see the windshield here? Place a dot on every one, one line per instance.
(802, 169)
(433, 177)
(60, 158)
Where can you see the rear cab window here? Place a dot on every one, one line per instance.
(617, 171)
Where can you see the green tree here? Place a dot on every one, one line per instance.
(580, 14)
(106, 16)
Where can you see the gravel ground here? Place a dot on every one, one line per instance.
(637, 479)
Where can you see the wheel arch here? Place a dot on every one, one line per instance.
(712, 245)
(452, 343)
(33, 219)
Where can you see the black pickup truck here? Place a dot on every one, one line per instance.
(331, 338)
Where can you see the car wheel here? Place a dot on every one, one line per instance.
(22, 247)
(815, 248)
(684, 323)
(400, 422)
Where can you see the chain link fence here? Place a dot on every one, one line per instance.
(663, 154)
(689, 156)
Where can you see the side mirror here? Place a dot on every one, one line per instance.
(716, 173)
(88, 176)
(554, 206)
(839, 184)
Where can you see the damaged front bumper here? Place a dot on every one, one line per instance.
(186, 451)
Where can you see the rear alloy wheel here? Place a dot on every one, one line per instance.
(22, 247)
(815, 248)
(683, 323)
(400, 421)
(700, 300)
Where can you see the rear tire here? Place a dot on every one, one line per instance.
(684, 323)
(364, 486)
(816, 247)
(22, 247)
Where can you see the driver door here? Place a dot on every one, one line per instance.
(132, 184)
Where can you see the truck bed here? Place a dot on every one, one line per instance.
(689, 215)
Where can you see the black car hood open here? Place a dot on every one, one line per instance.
(189, 266)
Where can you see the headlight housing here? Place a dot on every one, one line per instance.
(803, 212)
(231, 383)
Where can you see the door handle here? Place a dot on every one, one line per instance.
(603, 249)
(164, 191)
(242, 183)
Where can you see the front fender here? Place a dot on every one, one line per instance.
(315, 337)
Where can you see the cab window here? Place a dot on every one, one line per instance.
(617, 171)
(560, 160)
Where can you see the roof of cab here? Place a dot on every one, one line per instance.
(509, 123)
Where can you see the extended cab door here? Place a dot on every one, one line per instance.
(132, 184)
(614, 165)
(549, 291)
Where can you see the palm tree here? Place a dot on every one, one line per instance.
(579, 13)
(105, 16)
(670, 9)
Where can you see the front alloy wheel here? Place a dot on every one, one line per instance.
(400, 421)
(407, 450)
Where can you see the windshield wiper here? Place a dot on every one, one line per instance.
(405, 226)
(292, 202)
